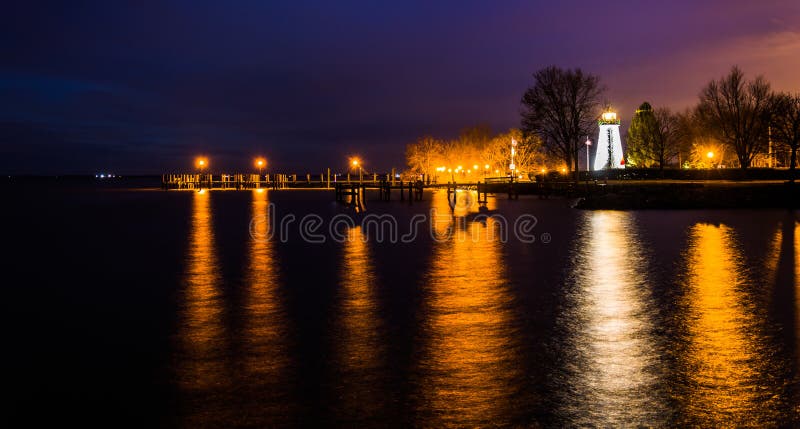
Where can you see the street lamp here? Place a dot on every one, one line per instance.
(357, 164)
(260, 163)
(201, 164)
(710, 156)
(588, 143)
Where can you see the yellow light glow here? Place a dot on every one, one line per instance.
(710, 155)
(544, 170)
(355, 163)
(260, 162)
(470, 357)
(201, 162)
(496, 171)
(469, 171)
(459, 168)
(475, 167)
(726, 356)
(486, 167)
(449, 170)
(264, 323)
(563, 170)
(609, 116)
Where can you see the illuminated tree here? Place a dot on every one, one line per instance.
(786, 125)
(477, 152)
(528, 155)
(424, 155)
(737, 112)
(561, 108)
(653, 137)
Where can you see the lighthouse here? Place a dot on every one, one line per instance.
(609, 143)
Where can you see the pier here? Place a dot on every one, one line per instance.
(352, 188)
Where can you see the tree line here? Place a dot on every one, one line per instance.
(476, 153)
(563, 106)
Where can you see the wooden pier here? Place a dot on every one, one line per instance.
(352, 188)
(274, 181)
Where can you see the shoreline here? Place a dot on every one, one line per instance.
(693, 195)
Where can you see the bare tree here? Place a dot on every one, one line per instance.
(666, 138)
(422, 155)
(528, 155)
(737, 113)
(561, 108)
(786, 125)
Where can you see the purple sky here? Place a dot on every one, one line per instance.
(145, 87)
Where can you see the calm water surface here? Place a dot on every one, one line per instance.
(148, 308)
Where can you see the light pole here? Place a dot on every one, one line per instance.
(201, 163)
(511, 166)
(588, 143)
(357, 164)
(260, 163)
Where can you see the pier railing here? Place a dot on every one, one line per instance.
(275, 181)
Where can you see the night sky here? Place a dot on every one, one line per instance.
(144, 87)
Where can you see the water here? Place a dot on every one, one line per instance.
(148, 308)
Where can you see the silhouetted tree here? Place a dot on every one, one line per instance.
(786, 125)
(689, 132)
(561, 108)
(737, 113)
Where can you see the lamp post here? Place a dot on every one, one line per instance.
(588, 143)
(511, 166)
(260, 163)
(357, 164)
(201, 163)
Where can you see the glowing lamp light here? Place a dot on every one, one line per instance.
(475, 167)
(449, 170)
(710, 155)
(563, 170)
(609, 116)
(544, 170)
(260, 162)
(201, 163)
(355, 163)
(486, 167)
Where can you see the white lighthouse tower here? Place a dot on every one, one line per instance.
(609, 143)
